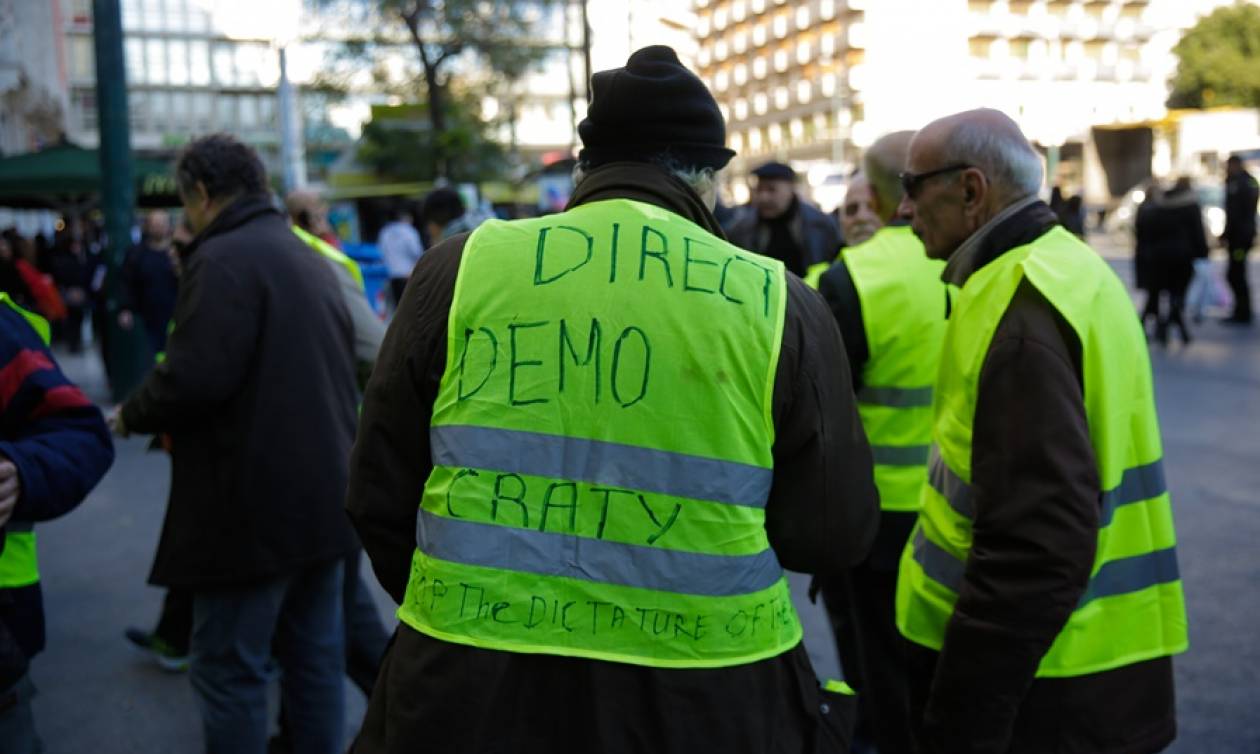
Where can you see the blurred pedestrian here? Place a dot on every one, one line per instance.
(44, 297)
(400, 247)
(782, 226)
(149, 284)
(596, 560)
(257, 391)
(442, 215)
(858, 222)
(1170, 236)
(308, 213)
(859, 218)
(1040, 590)
(73, 271)
(889, 300)
(1241, 196)
(54, 448)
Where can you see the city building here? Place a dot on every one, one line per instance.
(812, 82)
(193, 67)
(32, 77)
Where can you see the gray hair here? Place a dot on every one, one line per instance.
(701, 180)
(1004, 156)
(883, 164)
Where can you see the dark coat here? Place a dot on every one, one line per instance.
(258, 395)
(149, 290)
(1241, 196)
(1170, 236)
(820, 517)
(816, 235)
(1037, 499)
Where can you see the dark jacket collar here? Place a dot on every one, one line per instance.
(642, 182)
(236, 214)
(1023, 226)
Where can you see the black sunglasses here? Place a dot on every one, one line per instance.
(912, 182)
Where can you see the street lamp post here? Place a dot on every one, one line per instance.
(124, 348)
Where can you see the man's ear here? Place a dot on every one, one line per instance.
(975, 188)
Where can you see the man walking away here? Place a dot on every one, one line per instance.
(1040, 590)
(596, 562)
(400, 247)
(1241, 196)
(782, 226)
(54, 448)
(890, 303)
(257, 392)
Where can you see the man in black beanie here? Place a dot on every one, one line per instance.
(619, 429)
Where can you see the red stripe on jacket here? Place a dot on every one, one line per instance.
(60, 398)
(26, 363)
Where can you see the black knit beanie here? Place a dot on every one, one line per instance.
(653, 106)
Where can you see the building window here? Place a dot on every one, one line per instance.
(827, 9)
(741, 109)
(739, 42)
(155, 61)
(803, 92)
(177, 57)
(775, 134)
(736, 141)
(980, 46)
(83, 103)
(738, 10)
(223, 65)
(781, 60)
(741, 74)
(758, 6)
(199, 63)
(152, 15)
(780, 25)
(759, 35)
(78, 12)
(796, 129)
(138, 110)
(720, 81)
(803, 53)
(759, 67)
(760, 103)
(82, 59)
(225, 115)
(754, 140)
(203, 111)
(802, 17)
(133, 57)
(781, 98)
(267, 108)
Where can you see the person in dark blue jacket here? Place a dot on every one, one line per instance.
(54, 448)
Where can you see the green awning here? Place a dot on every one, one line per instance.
(67, 174)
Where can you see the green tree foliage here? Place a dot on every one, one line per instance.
(1219, 60)
(495, 41)
(409, 150)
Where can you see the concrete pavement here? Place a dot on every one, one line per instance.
(99, 696)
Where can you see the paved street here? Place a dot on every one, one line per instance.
(98, 696)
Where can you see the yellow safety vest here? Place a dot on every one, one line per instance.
(903, 315)
(602, 446)
(1134, 608)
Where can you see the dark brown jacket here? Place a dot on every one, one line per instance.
(1037, 503)
(821, 516)
(258, 394)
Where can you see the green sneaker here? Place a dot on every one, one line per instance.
(159, 649)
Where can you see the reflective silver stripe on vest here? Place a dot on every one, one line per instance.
(938, 564)
(900, 455)
(599, 462)
(896, 397)
(1126, 575)
(1121, 576)
(949, 485)
(1136, 484)
(553, 554)
(20, 527)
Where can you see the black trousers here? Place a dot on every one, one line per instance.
(862, 606)
(1236, 275)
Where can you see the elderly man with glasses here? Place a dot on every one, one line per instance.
(1039, 589)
